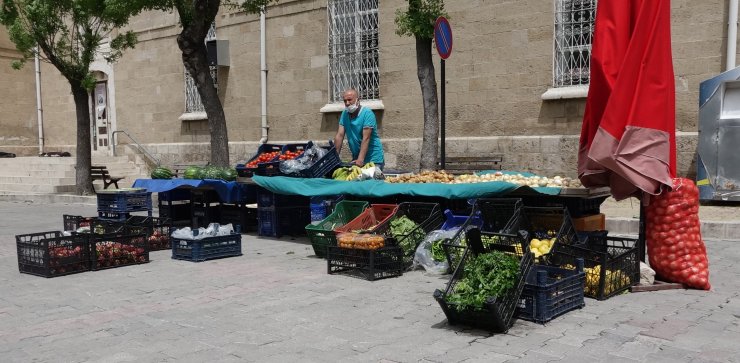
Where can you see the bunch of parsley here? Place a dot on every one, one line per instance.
(486, 275)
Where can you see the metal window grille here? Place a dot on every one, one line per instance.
(574, 29)
(353, 48)
(193, 102)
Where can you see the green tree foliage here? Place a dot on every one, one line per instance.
(196, 17)
(68, 34)
(418, 21)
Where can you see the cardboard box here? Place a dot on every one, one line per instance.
(596, 222)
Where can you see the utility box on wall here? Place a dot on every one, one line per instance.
(218, 53)
(718, 161)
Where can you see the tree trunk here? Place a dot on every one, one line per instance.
(192, 44)
(83, 182)
(428, 83)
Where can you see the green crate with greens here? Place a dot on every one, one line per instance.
(411, 224)
(322, 234)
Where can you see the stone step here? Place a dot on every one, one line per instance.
(36, 161)
(37, 188)
(33, 180)
(61, 173)
(48, 198)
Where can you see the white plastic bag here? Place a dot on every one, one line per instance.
(183, 233)
(423, 256)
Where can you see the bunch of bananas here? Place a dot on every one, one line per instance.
(350, 172)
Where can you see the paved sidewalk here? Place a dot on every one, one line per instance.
(276, 303)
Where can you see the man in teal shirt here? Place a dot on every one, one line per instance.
(359, 125)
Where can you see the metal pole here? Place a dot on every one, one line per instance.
(442, 114)
(731, 35)
(641, 237)
(39, 108)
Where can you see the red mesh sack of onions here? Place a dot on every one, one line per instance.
(676, 250)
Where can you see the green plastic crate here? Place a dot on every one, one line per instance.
(323, 235)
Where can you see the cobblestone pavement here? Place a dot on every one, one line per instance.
(276, 303)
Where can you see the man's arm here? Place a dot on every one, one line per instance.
(339, 138)
(366, 133)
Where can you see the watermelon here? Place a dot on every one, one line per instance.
(192, 172)
(161, 172)
(231, 174)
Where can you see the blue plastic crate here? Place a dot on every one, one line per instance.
(551, 291)
(454, 220)
(207, 248)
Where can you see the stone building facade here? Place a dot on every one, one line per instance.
(499, 79)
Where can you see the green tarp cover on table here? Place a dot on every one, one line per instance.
(314, 187)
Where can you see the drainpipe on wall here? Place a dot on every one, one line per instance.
(263, 77)
(39, 109)
(732, 35)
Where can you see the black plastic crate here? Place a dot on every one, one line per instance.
(243, 171)
(427, 216)
(239, 214)
(124, 202)
(325, 165)
(177, 194)
(277, 222)
(117, 250)
(179, 212)
(495, 215)
(497, 314)
(273, 168)
(207, 248)
(73, 223)
(576, 206)
(550, 292)
(204, 196)
(548, 223)
(157, 230)
(51, 254)
(268, 199)
(202, 216)
(498, 214)
(366, 264)
(611, 264)
(114, 216)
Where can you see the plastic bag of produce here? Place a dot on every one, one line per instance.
(430, 255)
(675, 248)
(309, 157)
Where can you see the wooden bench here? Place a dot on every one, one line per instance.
(471, 164)
(98, 172)
(179, 169)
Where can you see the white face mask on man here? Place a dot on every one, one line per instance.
(353, 107)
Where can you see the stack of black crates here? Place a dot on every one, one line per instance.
(279, 215)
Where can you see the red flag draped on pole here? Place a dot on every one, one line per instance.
(628, 137)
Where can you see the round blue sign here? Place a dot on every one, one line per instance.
(443, 37)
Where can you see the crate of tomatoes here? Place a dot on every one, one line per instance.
(289, 152)
(266, 153)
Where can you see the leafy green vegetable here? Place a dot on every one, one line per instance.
(405, 231)
(487, 275)
(438, 252)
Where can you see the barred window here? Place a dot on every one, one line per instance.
(353, 48)
(574, 28)
(193, 102)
